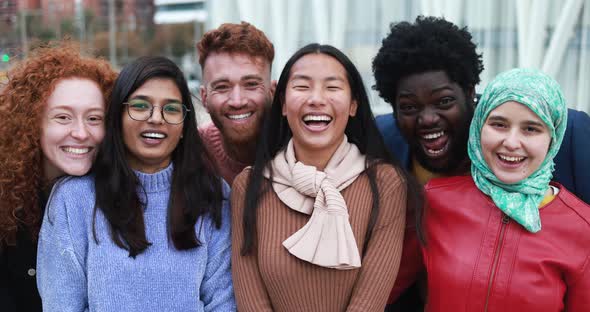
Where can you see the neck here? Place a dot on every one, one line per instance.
(316, 158)
(464, 168)
(244, 153)
(50, 172)
(148, 167)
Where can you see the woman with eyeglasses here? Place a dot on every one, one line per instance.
(51, 110)
(149, 230)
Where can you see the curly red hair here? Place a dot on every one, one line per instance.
(22, 102)
(236, 38)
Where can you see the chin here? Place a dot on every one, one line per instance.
(509, 179)
(77, 172)
(240, 138)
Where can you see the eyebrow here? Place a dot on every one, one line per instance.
(220, 80)
(497, 118)
(527, 122)
(305, 77)
(441, 88)
(70, 108)
(252, 77)
(247, 77)
(405, 93)
(535, 123)
(149, 99)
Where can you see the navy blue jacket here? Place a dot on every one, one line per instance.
(572, 163)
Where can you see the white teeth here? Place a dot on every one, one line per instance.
(317, 118)
(432, 136)
(511, 158)
(75, 150)
(240, 116)
(435, 152)
(153, 135)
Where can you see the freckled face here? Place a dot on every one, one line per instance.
(72, 127)
(514, 142)
(318, 103)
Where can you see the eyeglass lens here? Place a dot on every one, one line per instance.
(173, 113)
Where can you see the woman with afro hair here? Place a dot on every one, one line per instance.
(52, 110)
(427, 67)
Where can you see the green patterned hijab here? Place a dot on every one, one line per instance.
(542, 94)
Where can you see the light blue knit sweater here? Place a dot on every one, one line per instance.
(76, 274)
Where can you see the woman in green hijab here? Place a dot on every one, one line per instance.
(506, 238)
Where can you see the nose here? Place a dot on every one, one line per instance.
(512, 141)
(79, 131)
(236, 99)
(428, 117)
(156, 117)
(316, 97)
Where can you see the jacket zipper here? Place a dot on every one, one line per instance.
(505, 221)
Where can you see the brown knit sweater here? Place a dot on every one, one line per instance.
(271, 279)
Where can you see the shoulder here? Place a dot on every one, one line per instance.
(241, 181)
(577, 121)
(449, 182)
(579, 207)
(459, 188)
(73, 188)
(385, 123)
(387, 173)
(388, 178)
(576, 115)
(208, 131)
(388, 128)
(71, 197)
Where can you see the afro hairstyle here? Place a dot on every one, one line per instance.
(429, 44)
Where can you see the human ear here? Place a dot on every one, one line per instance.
(353, 108)
(203, 93)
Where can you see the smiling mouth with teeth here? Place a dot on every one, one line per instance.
(317, 120)
(436, 152)
(432, 136)
(434, 144)
(153, 135)
(239, 116)
(76, 150)
(511, 159)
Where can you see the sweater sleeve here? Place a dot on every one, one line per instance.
(251, 294)
(61, 268)
(381, 261)
(576, 298)
(216, 288)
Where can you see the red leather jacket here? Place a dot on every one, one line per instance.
(478, 259)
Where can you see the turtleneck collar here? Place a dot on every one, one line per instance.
(156, 182)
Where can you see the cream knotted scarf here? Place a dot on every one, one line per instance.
(327, 239)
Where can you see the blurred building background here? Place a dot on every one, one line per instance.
(553, 36)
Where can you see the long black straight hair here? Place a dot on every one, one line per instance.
(361, 130)
(195, 189)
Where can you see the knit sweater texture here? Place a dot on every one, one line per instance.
(271, 279)
(227, 167)
(75, 273)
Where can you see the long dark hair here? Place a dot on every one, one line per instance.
(360, 130)
(196, 190)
